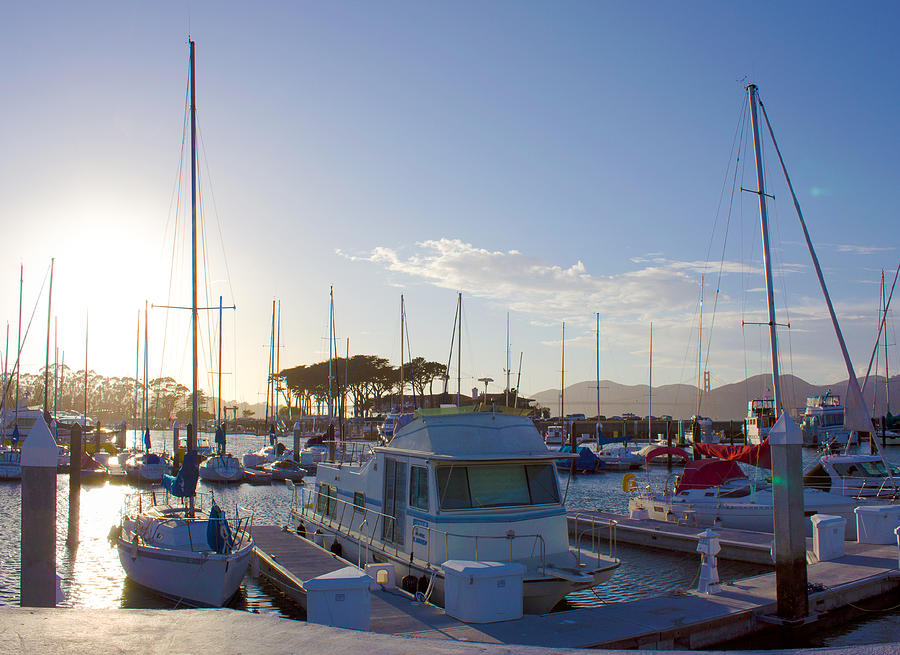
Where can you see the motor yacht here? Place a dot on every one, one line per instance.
(454, 484)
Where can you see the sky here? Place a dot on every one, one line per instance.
(550, 161)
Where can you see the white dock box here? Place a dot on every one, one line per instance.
(828, 536)
(339, 599)
(875, 523)
(483, 592)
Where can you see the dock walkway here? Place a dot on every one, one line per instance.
(737, 545)
(686, 620)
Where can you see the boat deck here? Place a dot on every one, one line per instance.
(683, 620)
(737, 545)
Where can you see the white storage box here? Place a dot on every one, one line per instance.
(339, 599)
(828, 536)
(483, 592)
(875, 523)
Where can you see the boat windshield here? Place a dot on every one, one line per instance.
(873, 469)
(496, 485)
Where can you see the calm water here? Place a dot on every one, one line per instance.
(93, 578)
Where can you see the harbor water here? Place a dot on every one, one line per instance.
(93, 578)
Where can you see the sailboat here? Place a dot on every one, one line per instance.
(188, 550)
(715, 492)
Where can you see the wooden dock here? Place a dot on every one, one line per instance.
(675, 621)
(737, 545)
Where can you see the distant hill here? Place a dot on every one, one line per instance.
(728, 402)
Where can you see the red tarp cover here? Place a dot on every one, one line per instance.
(667, 450)
(758, 455)
(706, 473)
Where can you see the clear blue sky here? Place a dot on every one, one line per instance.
(548, 159)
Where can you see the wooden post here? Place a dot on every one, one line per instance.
(74, 486)
(38, 547)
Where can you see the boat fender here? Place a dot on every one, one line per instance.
(422, 584)
(337, 549)
(629, 482)
(409, 583)
(301, 530)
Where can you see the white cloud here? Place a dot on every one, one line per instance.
(863, 250)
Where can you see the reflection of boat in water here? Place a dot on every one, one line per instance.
(454, 484)
(823, 421)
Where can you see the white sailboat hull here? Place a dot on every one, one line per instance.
(198, 579)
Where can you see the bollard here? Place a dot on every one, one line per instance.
(74, 486)
(38, 548)
(297, 431)
(708, 547)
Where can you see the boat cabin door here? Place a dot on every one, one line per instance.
(394, 525)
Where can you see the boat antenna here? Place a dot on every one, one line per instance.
(459, 356)
(402, 316)
(47, 351)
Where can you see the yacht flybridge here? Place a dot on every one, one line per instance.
(454, 484)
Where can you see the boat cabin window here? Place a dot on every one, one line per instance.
(326, 501)
(860, 469)
(496, 485)
(359, 502)
(418, 487)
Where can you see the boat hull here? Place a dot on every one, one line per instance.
(196, 579)
(540, 594)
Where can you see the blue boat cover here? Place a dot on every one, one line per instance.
(15, 435)
(152, 458)
(220, 435)
(185, 483)
(602, 439)
(587, 460)
(147, 440)
(218, 532)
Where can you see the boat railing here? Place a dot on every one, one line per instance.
(351, 452)
(305, 504)
(592, 522)
(425, 533)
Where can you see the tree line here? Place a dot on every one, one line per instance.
(363, 381)
(107, 399)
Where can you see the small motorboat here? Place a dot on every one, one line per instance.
(92, 470)
(263, 456)
(255, 476)
(221, 468)
(619, 458)
(285, 469)
(145, 467)
(10, 464)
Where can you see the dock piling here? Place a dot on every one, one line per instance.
(38, 547)
(74, 487)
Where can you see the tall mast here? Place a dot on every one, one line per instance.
(767, 260)
(19, 340)
(650, 387)
(700, 350)
(330, 353)
(146, 401)
(506, 395)
(55, 364)
(86, 326)
(562, 376)
(518, 381)
(887, 379)
(47, 351)
(137, 377)
(219, 394)
(402, 316)
(277, 369)
(792, 597)
(195, 410)
(271, 365)
(5, 381)
(598, 367)
(459, 354)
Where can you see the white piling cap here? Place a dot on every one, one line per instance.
(39, 448)
(785, 432)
